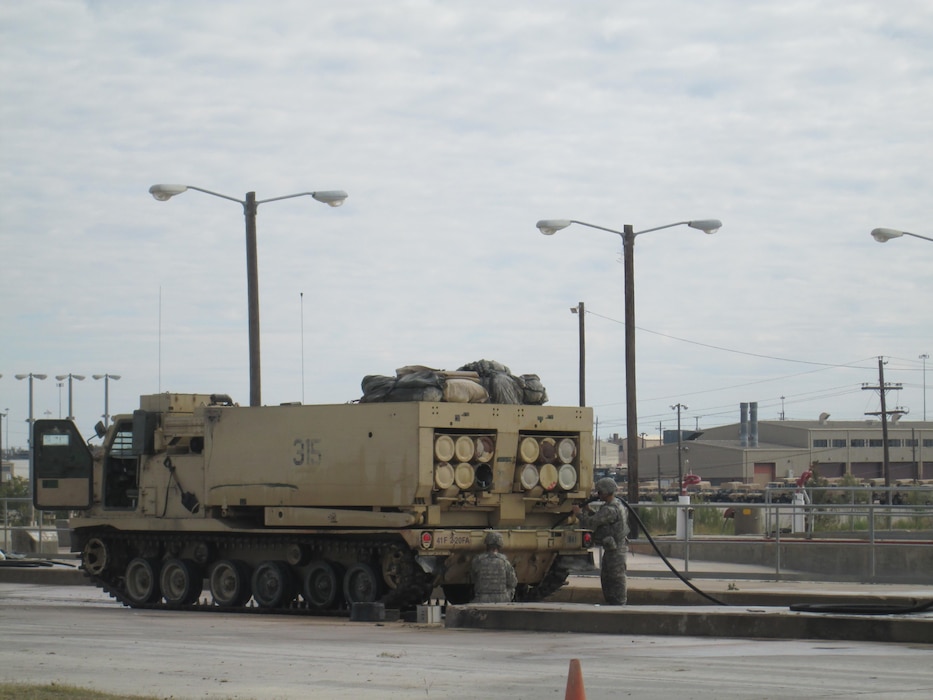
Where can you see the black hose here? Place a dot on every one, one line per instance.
(838, 608)
(664, 559)
(862, 608)
(31, 563)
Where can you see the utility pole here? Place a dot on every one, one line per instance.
(680, 450)
(579, 310)
(596, 445)
(883, 389)
(923, 358)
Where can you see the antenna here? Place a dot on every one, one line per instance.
(302, 347)
(160, 339)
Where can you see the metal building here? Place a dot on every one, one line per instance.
(761, 452)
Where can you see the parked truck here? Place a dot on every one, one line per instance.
(316, 507)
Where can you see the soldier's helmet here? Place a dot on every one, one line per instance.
(606, 486)
(493, 539)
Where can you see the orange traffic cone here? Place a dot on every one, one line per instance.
(575, 690)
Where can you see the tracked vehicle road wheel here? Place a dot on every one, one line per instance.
(96, 556)
(142, 582)
(273, 584)
(323, 585)
(229, 583)
(393, 566)
(181, 581)
(297, 555)
(361, 585)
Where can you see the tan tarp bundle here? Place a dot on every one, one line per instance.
(485, 381)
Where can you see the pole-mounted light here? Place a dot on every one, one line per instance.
(332, 198)
(883, 235)
(69, 377)
(30, 376)
(551, 226)
(106, 378)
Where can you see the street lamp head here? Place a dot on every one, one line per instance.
(706, 225)
(332, 198)
(165, 192)
(109, 376)
(79, 377)
(883, 235)
(551, 226)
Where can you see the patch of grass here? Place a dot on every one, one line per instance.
(58, 691)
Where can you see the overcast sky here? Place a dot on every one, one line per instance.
(455, 126)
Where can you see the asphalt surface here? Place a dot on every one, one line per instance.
(79, 636)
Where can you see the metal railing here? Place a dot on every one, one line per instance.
(19, 515)
(856, 518)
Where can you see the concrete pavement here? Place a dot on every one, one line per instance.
(756, 605)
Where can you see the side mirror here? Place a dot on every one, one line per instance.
(100, 429)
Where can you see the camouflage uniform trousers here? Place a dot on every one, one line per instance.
(612, 576)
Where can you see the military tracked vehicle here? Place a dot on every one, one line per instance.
(316, 507)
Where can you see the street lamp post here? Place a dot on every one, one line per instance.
(883, 235)
(30, 420)
(106, 378)
(549, 227)
(250, 204)
(580, 311)
(69, 377)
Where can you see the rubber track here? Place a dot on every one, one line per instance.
(417, 591)
(553, 581)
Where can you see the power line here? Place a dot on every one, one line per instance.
(819, 394)
(737, 352)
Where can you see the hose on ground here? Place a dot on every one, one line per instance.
(863, 608)
(664, 559)
(837, 608)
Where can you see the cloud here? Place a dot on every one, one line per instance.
(454, 127)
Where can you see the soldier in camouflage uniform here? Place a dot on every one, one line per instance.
(494, 578)
(610, 530)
